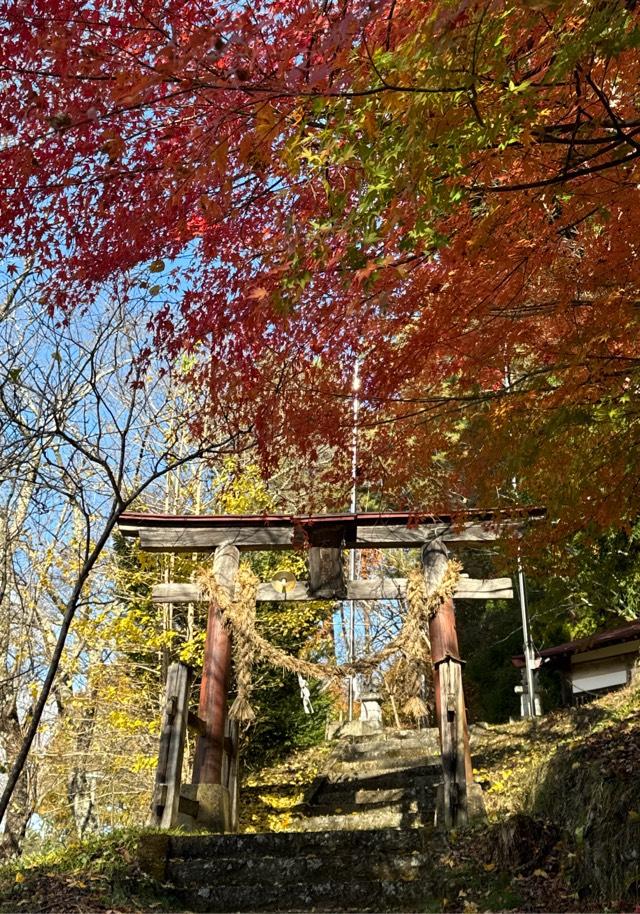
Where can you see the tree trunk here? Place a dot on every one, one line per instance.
(23, 805)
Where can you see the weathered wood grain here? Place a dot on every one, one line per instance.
(194, 723)
(454, 744)
(230, 769)
(326, 571)
(189, 539)
(185, 539)
(389, 537)
(374, 589)
(447, 679)
(166, 794)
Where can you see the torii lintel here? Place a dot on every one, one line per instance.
(204, 533)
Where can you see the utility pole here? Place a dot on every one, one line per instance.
(355, 387)
(529, 650)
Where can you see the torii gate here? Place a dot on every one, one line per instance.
(211, 799)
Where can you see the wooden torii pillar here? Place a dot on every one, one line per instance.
(216, 676)
(210, 800)
(451, 715)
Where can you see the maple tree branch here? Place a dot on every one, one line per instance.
(558, 179)
(392, 9)
(625, 138)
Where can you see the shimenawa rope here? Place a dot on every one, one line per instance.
(239, 616)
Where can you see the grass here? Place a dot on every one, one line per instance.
(101, 873)
(562, 832)
(270, 795)
(106, 872)
(563, 804)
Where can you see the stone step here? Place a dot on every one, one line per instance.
(326, 896)
(424, 809)
(380, 795)
(326, 810)
(428, 736)
(400, 768)
(403, 779)
(365, 744)
(282, 844)
(394, 816)
(361, 801)
(411, 756)
(416, 743)
(340, 795)
(214, 871)
(388, 752)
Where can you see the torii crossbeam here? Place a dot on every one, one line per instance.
(259, 532)
(324, 537)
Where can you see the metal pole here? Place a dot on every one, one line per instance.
(354, 507)
(529, 653)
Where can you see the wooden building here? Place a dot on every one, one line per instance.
(592, 666)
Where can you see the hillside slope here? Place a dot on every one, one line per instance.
(562, 834)
(563, 804)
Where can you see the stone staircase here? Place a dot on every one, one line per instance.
(363, 840)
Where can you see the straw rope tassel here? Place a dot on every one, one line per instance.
(239, 615)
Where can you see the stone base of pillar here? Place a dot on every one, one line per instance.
(358, 728)
(204, 806)
(475, 800)
(475, 804)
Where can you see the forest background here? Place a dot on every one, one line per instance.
(207, 218)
